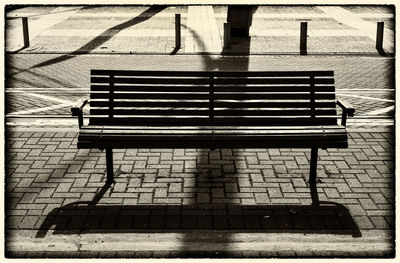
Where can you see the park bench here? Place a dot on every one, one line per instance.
(212, 109)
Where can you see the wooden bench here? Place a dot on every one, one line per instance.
(212, 109)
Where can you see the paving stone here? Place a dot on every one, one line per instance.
(145, 198)
(28, 222)
(261, 198)
(231, 187)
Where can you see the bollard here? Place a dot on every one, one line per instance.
(303, 38)
(379, 35)
(25, 31)
(227, 34)
(177, 31)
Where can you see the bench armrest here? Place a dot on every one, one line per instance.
(347, 110)
(77, 110)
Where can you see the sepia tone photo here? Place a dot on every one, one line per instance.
(199, 131)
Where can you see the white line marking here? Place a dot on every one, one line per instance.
(62, 102)
(50, 98)
(380, 111)
(365, 97)
(41, 109)
(367, 28)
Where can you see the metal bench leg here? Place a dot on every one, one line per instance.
(313, 175)
(109, 163)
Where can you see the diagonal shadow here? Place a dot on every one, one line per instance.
(105, 36)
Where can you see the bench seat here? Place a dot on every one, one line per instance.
(213, 137)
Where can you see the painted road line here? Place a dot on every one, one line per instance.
(375, 15)
(380, 111)
(367, 28)
(24, 112)
(45, 97)
(365, 97)
(202, 34)
(51, 98)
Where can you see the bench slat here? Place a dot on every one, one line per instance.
(105, 132)
(227, 96)
(98, 128)
(234, 143)
(209, 73)
(214, 121)
(166, 81)
(233, 104)
(215, 112)
(175, 88)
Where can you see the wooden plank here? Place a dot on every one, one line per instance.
(215, 121)
(211, 112)
(217, 104)
(212, 144)
(273, 89)
(281, 139)
(88, 128)
(212, 73)
(236, 80)
(171, 80)
(204, 88)
(152, 88)
(220, 130)
(221, 96)
(272, 81)
(327, 128)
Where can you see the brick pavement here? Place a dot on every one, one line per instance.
(54, 189)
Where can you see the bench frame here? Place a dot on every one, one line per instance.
(347, 111)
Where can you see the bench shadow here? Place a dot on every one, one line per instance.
(78, 217)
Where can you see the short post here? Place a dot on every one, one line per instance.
(25, 31)
(303, 38)
(227, 34)
(177, 31)
(379, 35)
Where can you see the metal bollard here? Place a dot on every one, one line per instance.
(177, 31)
(379, 35)
(227, 34)
(25, 31)
(303, 38)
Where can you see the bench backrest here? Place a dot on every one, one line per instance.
(198, 98)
